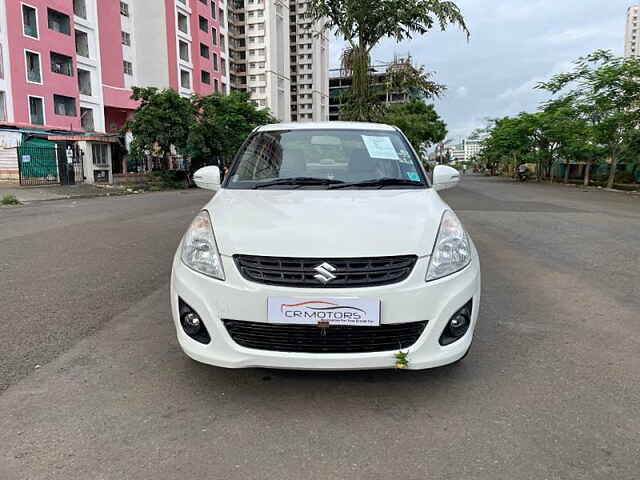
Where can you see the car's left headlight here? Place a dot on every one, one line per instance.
(199, 248)
(451, 252)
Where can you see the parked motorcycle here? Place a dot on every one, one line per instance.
(523, 173)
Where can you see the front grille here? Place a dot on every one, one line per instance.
(333, 339)
(349, 272)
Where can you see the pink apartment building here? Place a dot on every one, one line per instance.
(70, 65)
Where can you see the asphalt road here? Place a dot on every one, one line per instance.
(551, 389)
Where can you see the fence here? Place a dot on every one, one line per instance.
(50, 165)
(38, 165)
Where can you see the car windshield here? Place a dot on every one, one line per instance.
(346, 159)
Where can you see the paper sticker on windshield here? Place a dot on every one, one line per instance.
(413, 176)
(405, 158)
(380, 147)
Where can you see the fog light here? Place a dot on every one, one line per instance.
(458, 325)
(192, 324)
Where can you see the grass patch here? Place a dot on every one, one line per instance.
(9, 200)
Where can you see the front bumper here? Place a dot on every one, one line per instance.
(412, 300)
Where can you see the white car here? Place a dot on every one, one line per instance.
(326, 247)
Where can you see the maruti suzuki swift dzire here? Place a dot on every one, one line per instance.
(326, 247)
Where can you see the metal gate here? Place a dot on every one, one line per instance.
(70, 163)
(38, 165)
(49, 165)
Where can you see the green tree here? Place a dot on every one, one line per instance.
(364, 23)
(606, 92)
(509, 143)
(569, 132)
(420, 123)
(221, 124)
(162, 121)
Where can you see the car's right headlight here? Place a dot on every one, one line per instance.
(451, 252)
(199, 248)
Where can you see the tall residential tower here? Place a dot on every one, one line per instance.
(279, 57)
(631, 37)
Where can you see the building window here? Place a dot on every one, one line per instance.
(124, 9)
(84, 82)
(80, 8)
(29, 21)
(185, 79)
(58, 22)
(64, 105)
(183, 50)
(126, 38)
(216, 86)
(183, 23)
(204, 51)
(100, 154)
(213, 10)
(61, 64)
(86, 119)
(127, 67)
(3, 107)
(204, 24)
(34, 74)
(82, 44)
(215, 62)
(214, 36)
(205, 77)
(36, 110)
(221, 16)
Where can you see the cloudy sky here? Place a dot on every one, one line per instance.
(514, 44)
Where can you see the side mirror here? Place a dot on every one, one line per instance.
(445, 177)
(207, 178)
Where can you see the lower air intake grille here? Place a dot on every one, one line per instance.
(334, 339)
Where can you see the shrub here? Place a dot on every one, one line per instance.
(625, 177)
(169, 179)
(9, 200)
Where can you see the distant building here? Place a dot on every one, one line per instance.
(457, 153)
(340, 85)
(280, 56)
(472, 149)
(631, 37)
(465, 151)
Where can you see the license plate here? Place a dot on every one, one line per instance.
(360, 312)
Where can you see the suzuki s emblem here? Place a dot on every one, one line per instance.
(325, 274)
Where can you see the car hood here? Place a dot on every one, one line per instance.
(326, 223)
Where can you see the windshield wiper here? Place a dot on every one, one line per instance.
(381, 182)
(299, 181)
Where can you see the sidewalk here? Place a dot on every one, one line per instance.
(54, 192)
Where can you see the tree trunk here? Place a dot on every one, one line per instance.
(566, 172)
(587, 174)
(612, 172)
(539, 170)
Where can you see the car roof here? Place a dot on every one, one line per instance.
(325, 126)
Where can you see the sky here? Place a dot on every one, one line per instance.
(514, 44)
